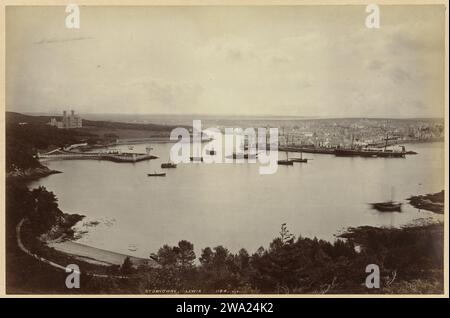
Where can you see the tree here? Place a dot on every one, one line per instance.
(186, 254)
(206, 259)
(166, 256)
(45, 211)
(285, 235)
(221, 255)
(181, 256)
(243, 259)
(127, 266)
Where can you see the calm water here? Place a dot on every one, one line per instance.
(232, 204)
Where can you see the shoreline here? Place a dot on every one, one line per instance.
(94, 255)
(89, 254)
(433, 202)
(31, 174)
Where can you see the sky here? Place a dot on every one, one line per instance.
(265, 60)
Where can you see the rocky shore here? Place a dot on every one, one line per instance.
(31, 173)
(430, 202)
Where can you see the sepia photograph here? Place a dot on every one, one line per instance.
(290, 149)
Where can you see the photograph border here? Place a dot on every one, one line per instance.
(3, 48)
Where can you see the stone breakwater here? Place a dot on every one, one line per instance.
(116, 157)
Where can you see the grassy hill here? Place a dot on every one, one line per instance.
(100, 129)
(26, 135)
(16, 118)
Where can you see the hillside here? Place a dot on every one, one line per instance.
(16, 118)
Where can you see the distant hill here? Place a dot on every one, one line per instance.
(15, 118)
(23, 141)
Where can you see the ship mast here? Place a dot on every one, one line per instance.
(387, 136)
(386, 142)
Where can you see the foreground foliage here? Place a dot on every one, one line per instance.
(410, 259)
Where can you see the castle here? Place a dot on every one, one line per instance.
(68, 121)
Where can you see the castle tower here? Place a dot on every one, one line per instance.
(65, 120)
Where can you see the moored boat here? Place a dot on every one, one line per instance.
(243, 156)
(156, 174)
(389, 206)
(168, 165)
(301, 159)
(285, 162)
(369, 152)
(374, 153)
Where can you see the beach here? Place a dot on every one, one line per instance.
(94, 255)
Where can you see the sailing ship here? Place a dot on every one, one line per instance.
(301, 159)
(286, 162)
(244, 155)
(367, 152)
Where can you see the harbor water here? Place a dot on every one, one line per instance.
(232, 204)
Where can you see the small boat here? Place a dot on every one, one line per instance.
(301, 159)
(132, 248)
(243, 156)
(156, 174)
(196, 159)
(286, 162)
(130, 147)
(389, 206)
(168, 165)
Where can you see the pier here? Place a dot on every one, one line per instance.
(349, 152)
(59, 154)
(321, 150)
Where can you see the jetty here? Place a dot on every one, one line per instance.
(349, 152)
(319, 150)
(60, 154)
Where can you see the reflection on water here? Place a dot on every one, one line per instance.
(232, 204)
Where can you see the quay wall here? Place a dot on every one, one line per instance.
(97, 156)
